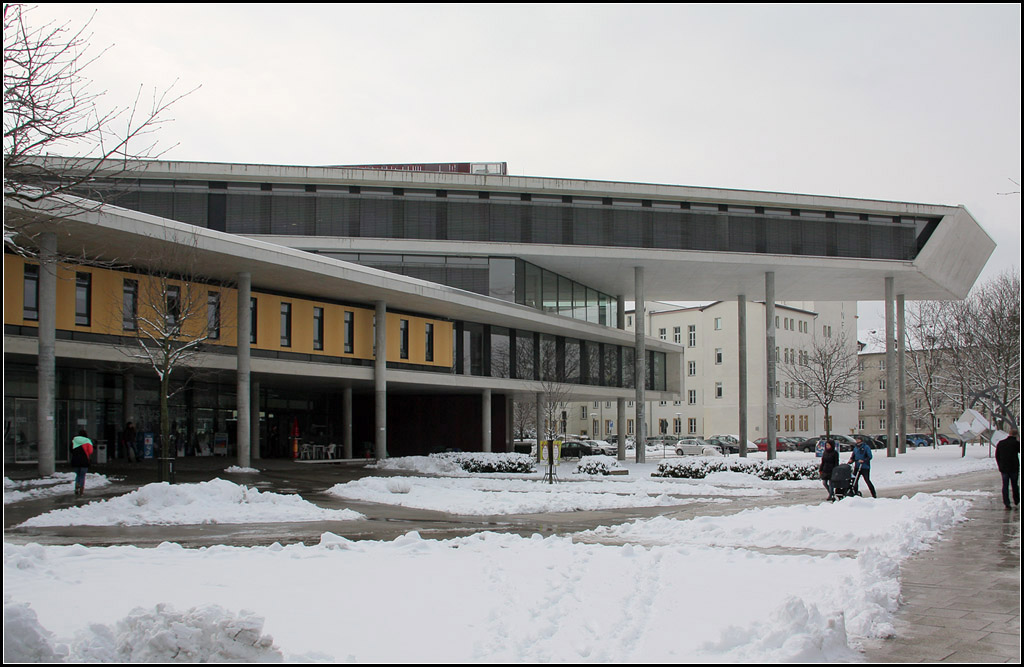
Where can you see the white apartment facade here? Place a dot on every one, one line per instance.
(709, 401)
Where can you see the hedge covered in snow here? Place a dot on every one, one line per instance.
(489, 462)
(699, 468)
(596, 465)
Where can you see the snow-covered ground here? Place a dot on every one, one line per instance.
(772, 584)
(57, 484)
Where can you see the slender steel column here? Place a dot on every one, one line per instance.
(380, 385)
(485, 409)
(741, 312)
(243, 360)
(901, 327)
(46, 426)
(769, 327)
(890, 370)
(346, 419)
(539, 416)
(640, 361)
(128, 401)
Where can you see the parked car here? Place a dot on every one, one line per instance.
(808, 445)
(919, 440)
(872, 442)
(780, 445)
(697, 447)
(602, 447)
(845, 443)
(949, 439)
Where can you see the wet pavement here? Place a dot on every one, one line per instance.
(961, 598)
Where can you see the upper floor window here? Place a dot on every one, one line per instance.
(83, 299)
(318, 328)
(286, 325)
(691, 335)
(677, 335)
(691, 368)
(349, 332)
(30, 309)
(403, 339)
(718, 324)
(130, 305)
(213, 315)
(429, 349)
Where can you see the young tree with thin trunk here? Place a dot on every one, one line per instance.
(825, 375)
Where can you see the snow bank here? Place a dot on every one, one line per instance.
(216, 501)
(57, 484)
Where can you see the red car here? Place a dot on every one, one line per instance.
(780, 445)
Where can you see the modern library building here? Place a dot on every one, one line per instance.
(401, 309)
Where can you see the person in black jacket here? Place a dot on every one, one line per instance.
(829, 460)
(1008, 460)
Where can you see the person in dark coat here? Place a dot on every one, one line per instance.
(81, 452)
(1008, 460)
(829, 460)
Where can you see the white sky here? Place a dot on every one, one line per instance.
(911, 103)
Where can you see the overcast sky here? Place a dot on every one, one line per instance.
(911, 103)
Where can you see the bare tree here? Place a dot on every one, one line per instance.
(49, 109)
(927, 361)
(826, 374)
(173, 314)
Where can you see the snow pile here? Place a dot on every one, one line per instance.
(240, 470)
(201, 634)
(57, 484)
(216, 501)
(895, 527)
(485, 497)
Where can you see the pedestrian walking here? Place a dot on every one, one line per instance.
(1008, 461)
(829, 460)
(128, 439)
(81, 453)
(861, 459)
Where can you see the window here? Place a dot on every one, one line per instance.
(719, 392)
(881, 404)
(83, 299)
(691, 425)
(691, 368)
(662, 334)
(403, 339)
(629, 321)
(213, 315)
(718, 355)
(172, 308)
(31, 302)
(860, 405)
(691, 397)
(318, 328)
(629, 427)
(677, 335)
(130, 305)
(583, 412)
(881, 423)
(881, 364)
(860, 424)
(662, 426)
(286, 325)
(691, 335)
(663, 403)
(881, 383)
(677, 402)
(718, 324)
(677, 425)
(349, 332)
(253, 320)
(429, 344)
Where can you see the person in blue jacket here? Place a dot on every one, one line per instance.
(861, 460)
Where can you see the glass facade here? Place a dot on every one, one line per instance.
(351, 210)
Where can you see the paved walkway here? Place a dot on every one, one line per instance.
(961, 599)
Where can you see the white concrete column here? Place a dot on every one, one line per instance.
(769, 324)
(741, 313)
(380, 385)
(620, 403)
(243, 349)
(346, 418)
(539, 416)
(640, 365)
(485, 410)
(901, 368)
(890, 369)
(46, 372)
(254, 419)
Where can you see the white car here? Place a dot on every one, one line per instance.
(697, 447)
(603, 447)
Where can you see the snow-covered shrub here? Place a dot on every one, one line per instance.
(699, 468)
(596, 465)
(490, 462)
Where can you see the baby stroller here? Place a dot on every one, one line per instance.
(844, 481)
